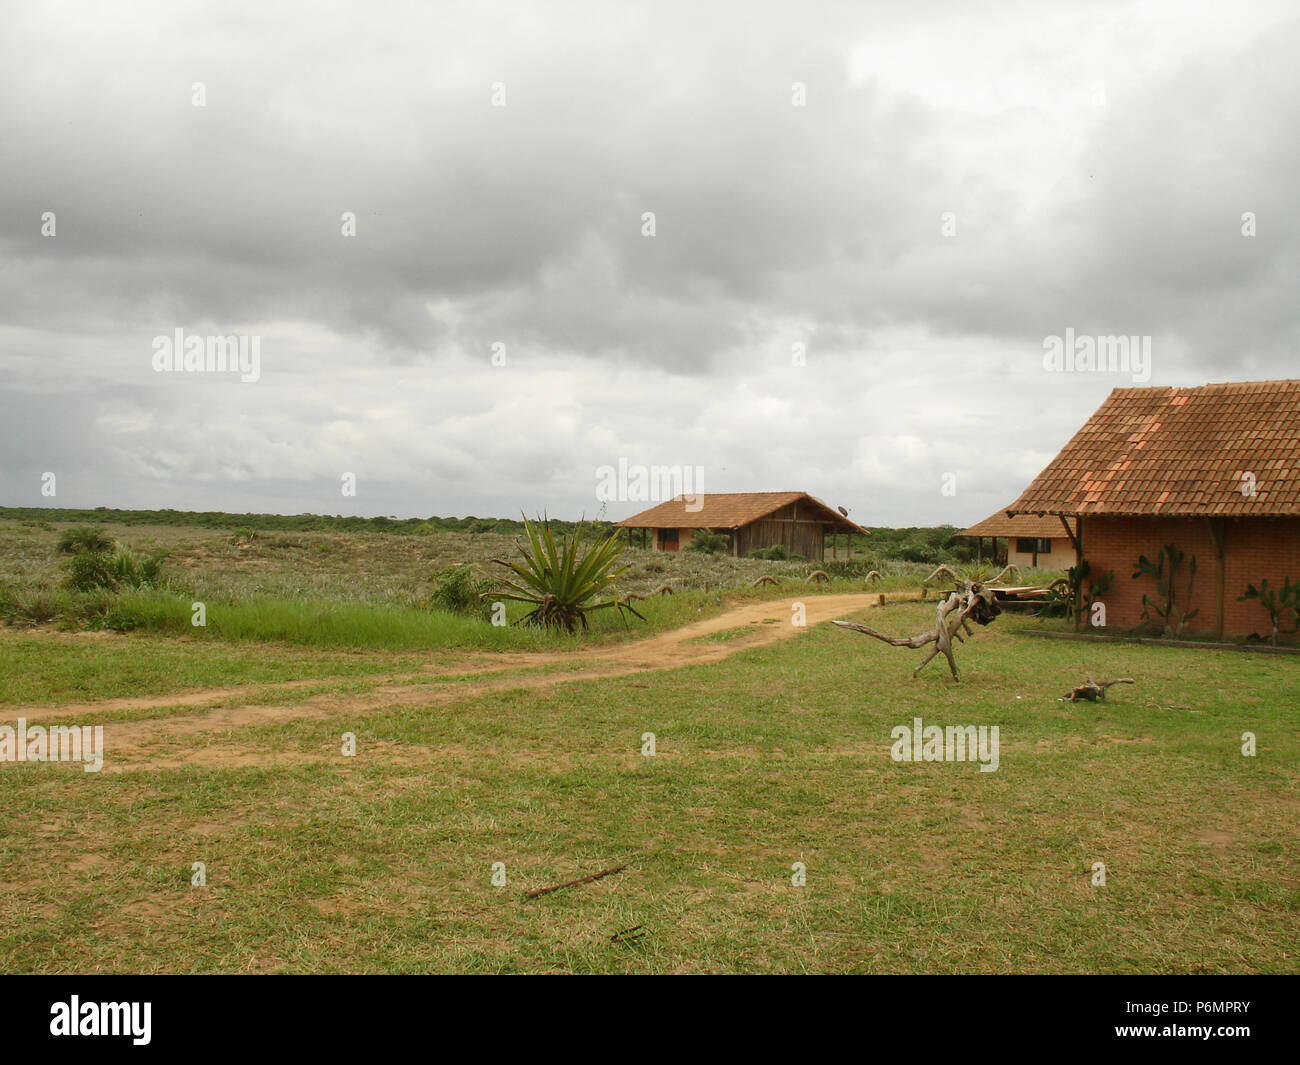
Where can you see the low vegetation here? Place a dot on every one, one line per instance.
(708, 542)
(776, 755)
(382, 586)
(563, 581)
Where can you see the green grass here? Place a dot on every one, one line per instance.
(322, 623)
(44, 669)
(382, 862)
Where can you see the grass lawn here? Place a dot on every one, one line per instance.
(774, 755)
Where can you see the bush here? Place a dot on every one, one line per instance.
(708, 542)
(91, 570)
(919, 550)
(775, 553)
(36, 608)
(850, 567)
(84, 539)
(459, 589)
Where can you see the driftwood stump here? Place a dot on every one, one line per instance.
(1092, 691)
(970, 602)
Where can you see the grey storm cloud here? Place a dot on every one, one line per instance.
(1095, 160)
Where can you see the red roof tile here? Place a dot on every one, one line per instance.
(730, 510)
(1179, 451)
(1029, 525)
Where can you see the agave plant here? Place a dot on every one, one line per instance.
(562, 587)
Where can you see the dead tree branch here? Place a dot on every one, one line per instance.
(970, 602)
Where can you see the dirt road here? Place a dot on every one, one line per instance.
(235, 707)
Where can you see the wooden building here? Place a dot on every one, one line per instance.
(1213, 470)
(749, 520)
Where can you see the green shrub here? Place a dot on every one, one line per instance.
(35, 608)
(708, 542)
(851, 567)
(84, 539)
(459, 590)
(775, 553)
(1278, 603)
(89, 571)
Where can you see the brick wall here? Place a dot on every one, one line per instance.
(1254, 548)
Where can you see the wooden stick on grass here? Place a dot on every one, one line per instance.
(574, 883)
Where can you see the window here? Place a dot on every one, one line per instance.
(668, 536)
(1027, 545)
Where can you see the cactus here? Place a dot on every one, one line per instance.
(1173, 616)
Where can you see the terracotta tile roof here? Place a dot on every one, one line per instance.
(730, 510)
(998, 524)
(1179, 451)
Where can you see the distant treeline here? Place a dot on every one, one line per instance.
(933, 544)
(275, 522)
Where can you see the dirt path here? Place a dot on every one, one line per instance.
(764, 623)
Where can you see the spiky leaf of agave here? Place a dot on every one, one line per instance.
(561, 585)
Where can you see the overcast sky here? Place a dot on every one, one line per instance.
(961, 182)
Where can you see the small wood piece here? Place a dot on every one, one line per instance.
(1092, 691)
(818, 575)
(575, 883)
(628, 935)
(765, 579)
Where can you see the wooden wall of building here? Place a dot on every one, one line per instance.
(801, 534)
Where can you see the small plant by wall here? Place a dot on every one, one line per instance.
(1079, 587)
(1278, 603)
(1168, 609)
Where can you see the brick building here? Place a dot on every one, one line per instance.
(1214, 470)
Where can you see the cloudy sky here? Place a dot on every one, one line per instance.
(919, 195)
